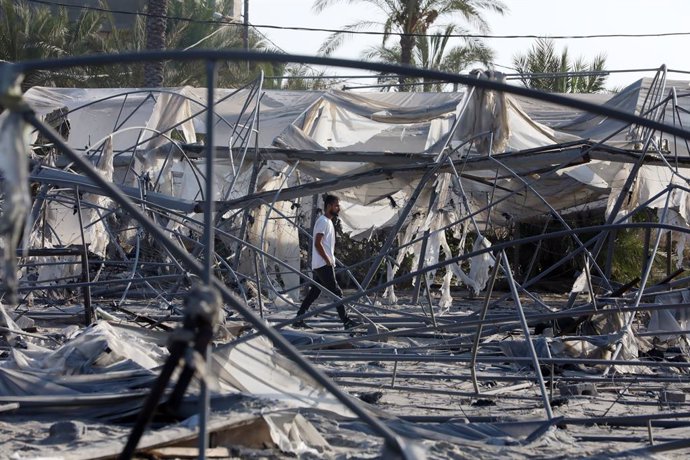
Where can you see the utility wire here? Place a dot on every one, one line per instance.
(336, 80)
(362, 32)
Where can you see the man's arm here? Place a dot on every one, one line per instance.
(318, 245)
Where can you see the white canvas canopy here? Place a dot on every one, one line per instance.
(385, 140)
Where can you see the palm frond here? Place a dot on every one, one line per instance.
(543, 59)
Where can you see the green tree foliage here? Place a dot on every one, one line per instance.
(187, 35)
(432, 52)
(29, 31)
(543, 58)
(301, 77)
(405, 18)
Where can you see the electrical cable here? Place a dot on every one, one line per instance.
(365, 32)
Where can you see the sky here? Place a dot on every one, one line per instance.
(534, 17)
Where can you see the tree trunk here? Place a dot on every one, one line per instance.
(155, 40)
(407, 21)
(406, 47)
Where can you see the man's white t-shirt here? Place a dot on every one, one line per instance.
(323, 225)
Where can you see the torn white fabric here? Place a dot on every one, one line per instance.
(389, 293)
(170, 110)
(485, 119)
(97, 206)
(277, 229)
(584, 174)
(446, 300)
(360, 221)
(581, 285)
(480, 265)
(62, 222)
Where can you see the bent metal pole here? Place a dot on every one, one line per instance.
(525, 329)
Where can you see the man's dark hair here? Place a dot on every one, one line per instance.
(329, 199)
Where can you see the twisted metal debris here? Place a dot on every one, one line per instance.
(480, 173)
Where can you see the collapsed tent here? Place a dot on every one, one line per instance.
(413, 161)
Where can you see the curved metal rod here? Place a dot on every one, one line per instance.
(525, 330)
(555, 214)
(647, 135)
(138, 249)
(250, 127)
(192, 116)
(184, 221)
(482, 316)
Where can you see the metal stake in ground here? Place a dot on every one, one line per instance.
(528, 339)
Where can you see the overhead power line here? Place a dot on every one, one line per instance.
(363, 32)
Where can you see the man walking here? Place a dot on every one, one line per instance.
(323, 261)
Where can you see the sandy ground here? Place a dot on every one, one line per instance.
(424, 388)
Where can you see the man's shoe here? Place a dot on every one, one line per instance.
(301, 325)
(351, 324)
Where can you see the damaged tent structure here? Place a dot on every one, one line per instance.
(140, 210)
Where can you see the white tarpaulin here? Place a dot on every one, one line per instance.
(378, 123)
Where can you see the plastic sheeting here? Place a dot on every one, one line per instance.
(671, 320)
(105, 361)
(396, 122)
(99, 349)
(486, 116)
(255, 368)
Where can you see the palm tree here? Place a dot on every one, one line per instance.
(155, 40)
(577, 76)
(409, 18)
(431, 52)
(305, 78)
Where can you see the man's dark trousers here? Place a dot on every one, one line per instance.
(325, 276)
